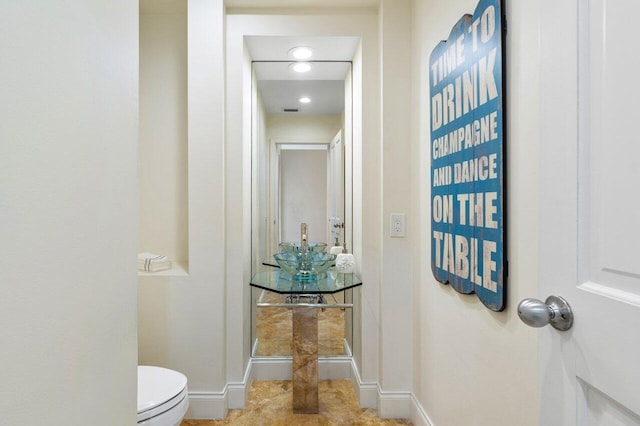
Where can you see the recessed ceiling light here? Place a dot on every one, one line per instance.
(301, 67)
(301, 52)
(304, 100)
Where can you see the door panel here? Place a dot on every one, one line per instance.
(604, 411)
(614, 117)
(609, 284)
(589, 210)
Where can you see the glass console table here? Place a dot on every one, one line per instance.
(304, 298)
(280, 282)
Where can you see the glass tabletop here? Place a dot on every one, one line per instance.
(270, 262)
(280, 282)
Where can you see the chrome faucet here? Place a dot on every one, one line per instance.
(305, 267)
(304, 246)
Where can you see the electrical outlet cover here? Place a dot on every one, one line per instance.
(397, 225)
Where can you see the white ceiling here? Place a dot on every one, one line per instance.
(281, 88)
(327, 96)
(148, 6)
(276, 48)
(283, 71)
(262, 4)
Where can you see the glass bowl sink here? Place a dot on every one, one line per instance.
(305, 266)
(296, 247)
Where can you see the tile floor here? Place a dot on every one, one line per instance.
(269, 404)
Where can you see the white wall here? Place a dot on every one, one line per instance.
(473, 366)
(396, 323)
(162, 150)
(449, 345)
(303, 128)
(68, 180)
(261, 230)
(182, 318)
(68, 197)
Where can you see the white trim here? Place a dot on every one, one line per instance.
(394, 405)
(334, 368)
(271, 368)
(366, 393)
(207, 405)
(303, 146)
(279, 368)
(214, 405)
(298, 141)
(389, 404)
(419, 416)
(611, 293)
(239, 392)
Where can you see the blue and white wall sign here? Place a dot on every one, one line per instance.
(467, 174)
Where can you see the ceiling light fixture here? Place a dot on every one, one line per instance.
(301, 52)
(301, 67)
(304, 100)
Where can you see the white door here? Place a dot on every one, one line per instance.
(335, 193)
(303, 191)
(590, 210)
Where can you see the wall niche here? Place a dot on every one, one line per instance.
(162, 151)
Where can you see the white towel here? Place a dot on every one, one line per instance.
(336, 250)
(145, 257)
(154, 267)
(150, 262)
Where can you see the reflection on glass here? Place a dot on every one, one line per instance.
(298, 170)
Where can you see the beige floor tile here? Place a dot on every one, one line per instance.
(270, 404)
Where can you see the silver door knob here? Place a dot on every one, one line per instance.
(555, 311)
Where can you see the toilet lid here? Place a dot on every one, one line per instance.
(157, 385)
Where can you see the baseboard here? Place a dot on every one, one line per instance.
(419, 416)
(207, 405)
(271, 368)
(388, 404)
(279, 368)
(394, 405)
(366, 393)
(239, 392)
(214, 405)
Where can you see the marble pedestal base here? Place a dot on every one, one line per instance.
(305, 360)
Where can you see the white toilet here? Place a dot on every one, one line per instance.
(162, 396)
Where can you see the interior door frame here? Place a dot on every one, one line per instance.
(558, 91)
(337, 140)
